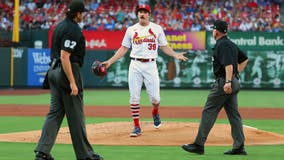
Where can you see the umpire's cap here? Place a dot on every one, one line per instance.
(145, 7)
(77, 6)
(221, 26)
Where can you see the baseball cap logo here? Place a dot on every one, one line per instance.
(144, 7)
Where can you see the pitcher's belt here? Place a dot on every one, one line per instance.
(143, 59)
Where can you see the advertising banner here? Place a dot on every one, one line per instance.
(118, 72)
(264, 70)
(195, 73)
(38, 64)
(252, 40)
(107, 40)
(111, 40)
(180, 40)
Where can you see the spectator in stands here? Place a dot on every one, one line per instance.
(120, 15)
(5, 24)
(195, 26)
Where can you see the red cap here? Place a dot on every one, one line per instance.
(145, 7)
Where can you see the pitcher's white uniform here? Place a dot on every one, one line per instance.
(144, 38)
(144, 42)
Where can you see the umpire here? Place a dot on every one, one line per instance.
(67, 54)
(228, 62)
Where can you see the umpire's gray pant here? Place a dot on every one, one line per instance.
(215, 101)
(63, 103)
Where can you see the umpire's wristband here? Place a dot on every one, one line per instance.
(228, 81)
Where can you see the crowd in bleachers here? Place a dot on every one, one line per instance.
(187, 15)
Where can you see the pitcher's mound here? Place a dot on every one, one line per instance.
(169, 134)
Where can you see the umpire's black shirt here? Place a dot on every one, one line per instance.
(226, 53)
(68, 36)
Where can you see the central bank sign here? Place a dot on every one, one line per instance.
(253, 40)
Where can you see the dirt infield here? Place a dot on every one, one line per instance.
(166, 112)
(171, 133)
(110, 111)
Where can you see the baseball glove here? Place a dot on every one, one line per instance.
(99, 69)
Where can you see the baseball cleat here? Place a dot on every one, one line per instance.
(136, 132)
(157, 120)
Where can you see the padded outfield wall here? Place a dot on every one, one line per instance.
(26, 67)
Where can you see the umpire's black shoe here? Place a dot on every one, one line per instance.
(42, 156)
(193, 148)
(94, 157)
(97, 157)
(239, 151)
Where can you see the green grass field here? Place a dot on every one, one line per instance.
(169, 97)
(98, 97)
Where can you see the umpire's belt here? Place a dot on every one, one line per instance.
(143, 59)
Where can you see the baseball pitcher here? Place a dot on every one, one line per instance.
(144, 38)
